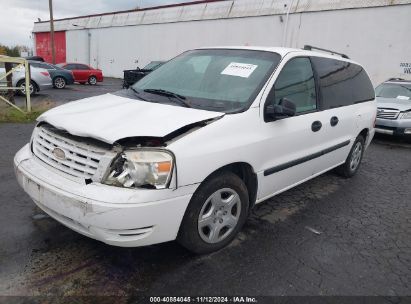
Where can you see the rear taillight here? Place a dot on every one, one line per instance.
(45, 74)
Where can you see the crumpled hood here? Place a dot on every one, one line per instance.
(110, 118)
(394, 103)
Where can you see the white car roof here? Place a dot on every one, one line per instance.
(284, 51)
(398, 81)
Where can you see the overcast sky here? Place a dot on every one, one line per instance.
(17, 16)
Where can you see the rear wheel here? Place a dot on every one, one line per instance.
(216, 213)
(22, 85)
(59, 82)
(353, 161)
(92, 80)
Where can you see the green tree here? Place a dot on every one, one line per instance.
(3, 50)
(10, 51)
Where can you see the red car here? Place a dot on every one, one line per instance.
(83, 73)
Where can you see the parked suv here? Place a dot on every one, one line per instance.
(188, 150)
(394, 107)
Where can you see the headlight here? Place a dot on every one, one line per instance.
(141, 169)
(406, 115)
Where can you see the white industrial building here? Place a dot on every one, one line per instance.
(375, 33)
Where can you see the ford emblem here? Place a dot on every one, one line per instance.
(59, 153)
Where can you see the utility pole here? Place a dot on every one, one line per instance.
(53, 52)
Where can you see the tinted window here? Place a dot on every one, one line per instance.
(81, 67)
(342, 83)
(296, 83)
(70, 67)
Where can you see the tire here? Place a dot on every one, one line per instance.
(353, 161)
(59, 82)
(92, 80)
(211, 222)
(33, 87)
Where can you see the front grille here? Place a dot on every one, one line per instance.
(387, 113)
(80, 159)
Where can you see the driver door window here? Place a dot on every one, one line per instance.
(296, 83)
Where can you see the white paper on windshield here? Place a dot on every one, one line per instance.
(403, 97)
(239, 69)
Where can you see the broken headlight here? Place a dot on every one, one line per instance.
(150, 169)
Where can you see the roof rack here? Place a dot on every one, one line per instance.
(395, 79)
(310, 48)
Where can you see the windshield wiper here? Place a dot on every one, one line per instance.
(407, 88)
(138, 93)
(180, 98)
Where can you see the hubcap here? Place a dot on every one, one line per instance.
(93, 80)
(219, 215)
(356, 156)
(59, 83)
(23, 88)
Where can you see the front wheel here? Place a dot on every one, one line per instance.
(216, 213)
(353, 161)
(92, 80)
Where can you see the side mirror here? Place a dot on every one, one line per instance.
(285, 108)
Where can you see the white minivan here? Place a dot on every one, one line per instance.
(187, 151)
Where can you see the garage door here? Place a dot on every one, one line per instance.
(43, 46)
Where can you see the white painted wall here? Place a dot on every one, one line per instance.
(377, 37)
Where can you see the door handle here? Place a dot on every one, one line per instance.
(316, 126)
(334, 121)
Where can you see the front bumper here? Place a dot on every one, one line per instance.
(399, 127)
(113, 215)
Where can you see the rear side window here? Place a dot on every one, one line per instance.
(81, 67)
(342, 83)
(70, 67)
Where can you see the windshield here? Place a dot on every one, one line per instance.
(394, 90)
(153, 65)
(222, 80)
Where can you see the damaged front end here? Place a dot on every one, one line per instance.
(132, 162)
(144, 162)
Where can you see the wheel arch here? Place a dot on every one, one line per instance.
(247, 174)
(36, 86)
(61, 76)
(364, 133)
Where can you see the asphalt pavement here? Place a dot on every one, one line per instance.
(73, 92)
(328, 236)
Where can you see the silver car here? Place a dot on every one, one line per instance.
(394, 107)
(40, 79)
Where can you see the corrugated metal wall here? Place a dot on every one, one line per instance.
(377, 36)
(209, 11)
